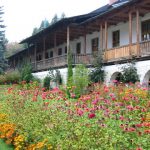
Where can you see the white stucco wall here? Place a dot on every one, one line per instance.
(142, 68)
(43, 74)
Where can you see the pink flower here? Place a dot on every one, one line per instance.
(121, 118)
(80, 112)
(114, 81)
(91, 115)
(72, 95)
(130, 107)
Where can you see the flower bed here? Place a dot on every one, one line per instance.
(109, 117)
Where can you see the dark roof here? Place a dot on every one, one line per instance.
(81, 19)
(102, 9)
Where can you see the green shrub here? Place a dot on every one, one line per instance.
(12, 77)
(26, 73)
(54, 76)
(97, 74)
(46, 82)
(129, 74)
(2, 79)
(80, 79)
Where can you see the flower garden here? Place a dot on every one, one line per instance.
(106, 118)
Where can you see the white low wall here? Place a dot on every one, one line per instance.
(143, 69)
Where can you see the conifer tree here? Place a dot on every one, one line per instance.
(2, 42)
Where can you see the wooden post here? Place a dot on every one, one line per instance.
(35, 50)
(55, 44)
(130, 33)
(137, 32)
(84, 40)
(44, 51)
(101, 37)
(14, 63)
(106, 40)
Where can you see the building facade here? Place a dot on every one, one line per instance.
(119, 31)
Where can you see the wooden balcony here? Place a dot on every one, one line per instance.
(120, 53)
(61, 61)
(127, 51)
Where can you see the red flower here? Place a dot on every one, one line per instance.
(91, 115)
(139, 148)
(147, 131)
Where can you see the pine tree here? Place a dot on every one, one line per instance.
(2, 42)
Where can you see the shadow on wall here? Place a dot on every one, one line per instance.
(146, 80)
(115, 77)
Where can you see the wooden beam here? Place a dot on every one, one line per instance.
(85, 40)
(130, 32)
(55, 44)
(106, 39)
(137, 32)
(101, 37)
(35, 52)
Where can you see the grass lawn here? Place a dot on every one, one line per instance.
(4, 146)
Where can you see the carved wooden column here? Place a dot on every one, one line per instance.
(55, 44)
(84, 40)
(106, 39)
(130, 33)
(35, 52)
(138, 32)
(101, 37)
(44, 51)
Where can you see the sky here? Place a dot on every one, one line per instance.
(21, 16)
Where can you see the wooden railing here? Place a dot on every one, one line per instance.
(119, 53)
(62, 61)
(83, 58)
(145, 48)
(127, 51)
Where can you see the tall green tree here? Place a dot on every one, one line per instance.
(3, 64)
(54, 19)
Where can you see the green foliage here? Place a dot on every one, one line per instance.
(54, 19)
(10, 77)
(46, 82)
(53, 76)
(13, 77)
(70, 70)
(129, 74)
(80, 79)
(26, 73)
(3, 62)
(97, 74)
(118, 124)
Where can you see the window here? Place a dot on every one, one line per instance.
(78, 48)
(146, 30)
(116, 38)
(51, 54)
(39, 57)
(46, 55)
(60, 51)
(65, 49)
(94, 44)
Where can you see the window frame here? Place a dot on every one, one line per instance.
(116, 38)
(95, 44)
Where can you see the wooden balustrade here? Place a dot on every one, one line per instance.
(119, 53)
(125, 52)
(83, 59)
(145, 48)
